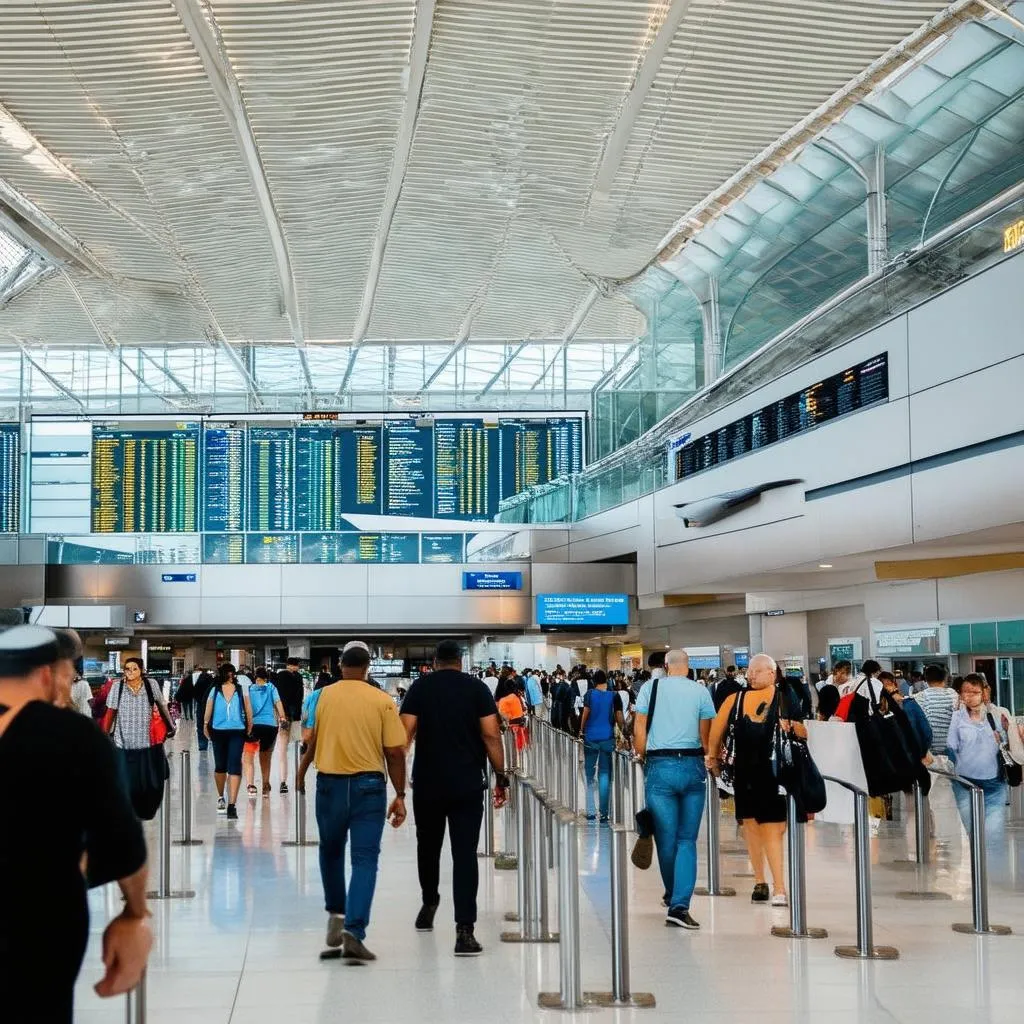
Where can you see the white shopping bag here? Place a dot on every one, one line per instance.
(836, 752)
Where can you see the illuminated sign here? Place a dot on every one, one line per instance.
(582, 610)
(1013, 236)
(492, 581)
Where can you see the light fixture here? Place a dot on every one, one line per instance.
(824, 565)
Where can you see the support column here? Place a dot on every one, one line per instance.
(711, 319)
(878, 218)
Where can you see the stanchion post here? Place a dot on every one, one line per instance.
(798, 928)
(135, 1003)
(865, 948)
(920, 825)
(300, 808)
(531, 873)
(714, 843)
(570, 993)
(164, 891)
(1015, 819)
(186, 803)
(980, 924)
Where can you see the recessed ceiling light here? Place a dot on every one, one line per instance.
(824, 565)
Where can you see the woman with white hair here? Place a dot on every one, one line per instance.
(760, 804)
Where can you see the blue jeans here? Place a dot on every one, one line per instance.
(675, 793)
(995, 805)
(598, 754)
(350, 806)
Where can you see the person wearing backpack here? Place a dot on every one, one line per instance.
(227, 721)
(601, 713)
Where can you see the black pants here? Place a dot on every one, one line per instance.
(463, 815)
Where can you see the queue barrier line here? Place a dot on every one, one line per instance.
(300, 807)
(164, 890)
(186, 802)
(135, 1009)
(979, 924)
(795, 841)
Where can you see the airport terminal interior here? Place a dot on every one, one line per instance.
(584, 334)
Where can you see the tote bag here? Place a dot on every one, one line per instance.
(889, 766)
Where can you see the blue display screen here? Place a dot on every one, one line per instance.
(492, 581)
(10, 477)
(582, 610)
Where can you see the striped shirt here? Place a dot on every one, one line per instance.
(938, 704)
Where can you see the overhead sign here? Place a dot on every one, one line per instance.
(776, 611)
(1013, 236)
(845, 648)
(907, 640)
(178, 577)
(492, 581)
(583, 610)
(117, 641)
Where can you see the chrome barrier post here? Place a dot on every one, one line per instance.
(920, 825)
(798, 928)
(300, 808)
(135, 1003)
(488, 850)
(865, 948)
(186, 803)
(713, 839)
(531, 874)
(613, 789)
(508, 858)
(164, 891)
(570, 993)
(980, 924)
(1015, 819)
(620, 994)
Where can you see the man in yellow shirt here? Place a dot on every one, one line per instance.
(356, 732)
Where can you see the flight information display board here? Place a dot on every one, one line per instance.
(145, 481)
(856, 388)
(10, 477)
(270, 476)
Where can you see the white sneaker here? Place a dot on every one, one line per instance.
(222, 806)
(780, 899)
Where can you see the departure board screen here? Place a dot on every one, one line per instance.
(271, 548)
(443, 548)
(276, 475)
(857, 388)
(145, 481)
(271, 478)
(224, 479)
(10, 477)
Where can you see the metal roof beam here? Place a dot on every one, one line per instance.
(615, 367)
(54, 383)
(616, 144)
(419, 52)
(201, 28)
(506, 363)
(15, 272)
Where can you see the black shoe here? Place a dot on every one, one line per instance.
(665, 900)
(284, 787)
(680, 917)
(465, 942)
(232, 811)
(761, 893)
(353, 949)
(425, 918)
(604, 819)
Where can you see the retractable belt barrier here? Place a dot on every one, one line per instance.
(135, 1003)
(798, 927)
(865, 948)
(980, 924)
(186, 803)
(713, 838)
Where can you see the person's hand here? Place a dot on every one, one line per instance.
(206, 732)
(126, 945)
(713, 765)
(396, 812)
(927, 759)
(500, 797)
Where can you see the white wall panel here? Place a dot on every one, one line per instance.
(324, 580)
(241, 579)
(332, 611)
(975, 325)
(166, 611)
(913, 601)
(241, 611)
(983, 405)
(991, 595)
(610, 578)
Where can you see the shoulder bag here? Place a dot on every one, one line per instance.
(727, 770)
(1009, 771)
(889, 765)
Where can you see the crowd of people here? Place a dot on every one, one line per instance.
(358, 737)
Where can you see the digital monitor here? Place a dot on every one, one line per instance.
(582, 610)
(492, 581)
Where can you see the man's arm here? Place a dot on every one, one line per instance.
(490, 732)
(409, 721)
(127, 940)
(705, 732)
(640, 734)
(395, 758)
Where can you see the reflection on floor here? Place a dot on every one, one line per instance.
(245, 950)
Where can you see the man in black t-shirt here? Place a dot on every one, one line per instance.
(454, 721)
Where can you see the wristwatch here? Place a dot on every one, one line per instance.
(501, 780)
(400, 794)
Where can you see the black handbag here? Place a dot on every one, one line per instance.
(889, 765)
(1009, 771)
(799, 775)
(146, 771)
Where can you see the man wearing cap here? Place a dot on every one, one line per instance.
(44, 916)
(354, 732)
(454, 721)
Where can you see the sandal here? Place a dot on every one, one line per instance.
(252, 791)
(266, 789)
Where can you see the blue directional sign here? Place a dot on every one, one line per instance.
(178, 577)
(492, 581)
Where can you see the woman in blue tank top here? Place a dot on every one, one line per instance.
(227, 721)
(601, 713)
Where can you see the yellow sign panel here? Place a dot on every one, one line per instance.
(1013, 236)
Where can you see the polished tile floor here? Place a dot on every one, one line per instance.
(245, 949)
